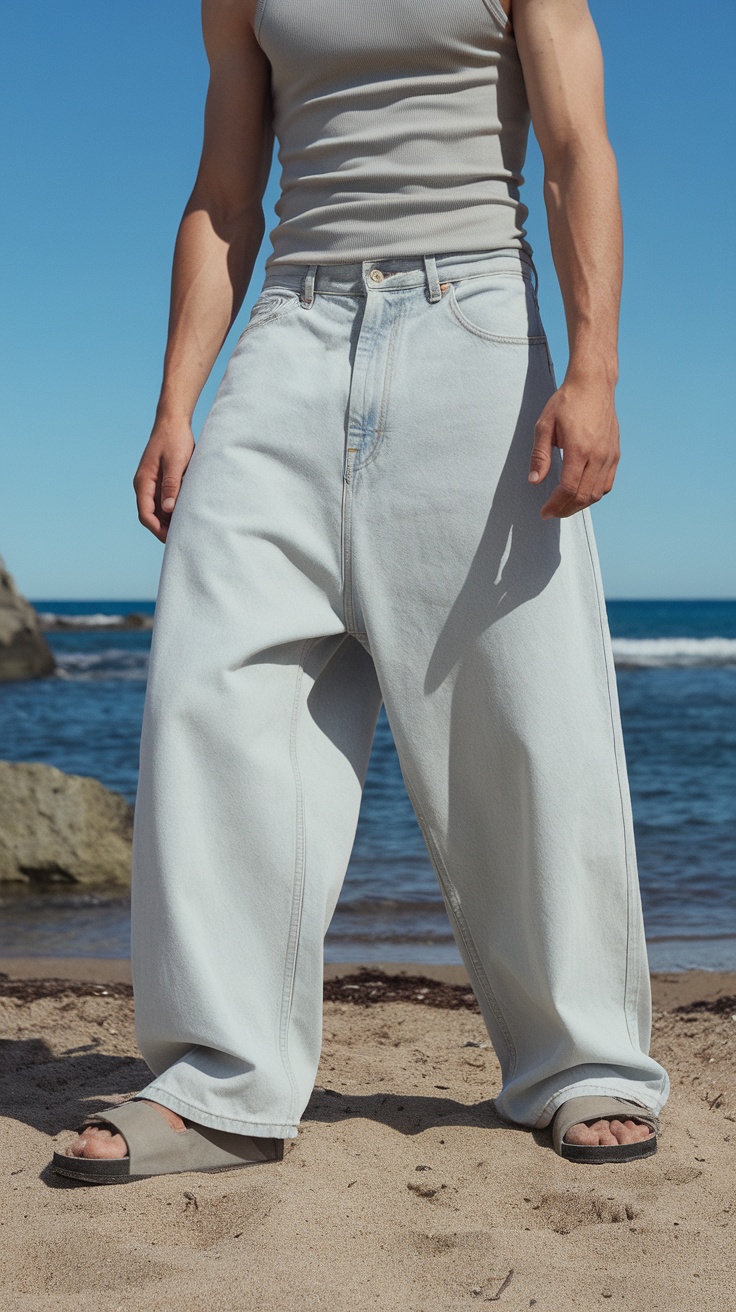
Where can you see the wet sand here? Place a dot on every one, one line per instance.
(404, 1190)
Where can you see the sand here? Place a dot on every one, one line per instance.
(404, 1192)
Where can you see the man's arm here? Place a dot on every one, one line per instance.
(216, 246)
(563, 70)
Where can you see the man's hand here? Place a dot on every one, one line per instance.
(158, 477)
(580, 419)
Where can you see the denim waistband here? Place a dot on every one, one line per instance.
(355, 278)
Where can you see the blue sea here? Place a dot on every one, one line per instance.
(676, 668)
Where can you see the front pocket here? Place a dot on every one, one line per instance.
(499, 307)
(270, 305)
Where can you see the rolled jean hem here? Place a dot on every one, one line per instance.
(256, 1129)
(587, 1088)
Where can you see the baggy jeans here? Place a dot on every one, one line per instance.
(355, 526)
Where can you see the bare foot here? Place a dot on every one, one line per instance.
(607, 1132)
(96, 1142)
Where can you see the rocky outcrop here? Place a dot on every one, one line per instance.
(61, 828)
(24, 652)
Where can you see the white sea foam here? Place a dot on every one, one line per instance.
(659, 652)
(108, 664)
(51, 619)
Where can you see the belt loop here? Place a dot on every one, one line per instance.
(306, 296)
(433, 281)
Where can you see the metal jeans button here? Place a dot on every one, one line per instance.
(375, 275)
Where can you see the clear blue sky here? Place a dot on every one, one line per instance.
(101, 118)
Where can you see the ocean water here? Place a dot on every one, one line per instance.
(676, 670)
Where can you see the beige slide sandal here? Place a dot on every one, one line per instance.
(154, 1148)
(595, 1108)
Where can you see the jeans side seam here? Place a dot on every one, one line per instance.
(629, 871)
(453, 901)
(297, 884)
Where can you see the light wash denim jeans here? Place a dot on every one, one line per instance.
(356, 525)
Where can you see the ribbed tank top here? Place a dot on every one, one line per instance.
(402, 128)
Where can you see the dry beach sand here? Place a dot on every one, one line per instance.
(403, 1193)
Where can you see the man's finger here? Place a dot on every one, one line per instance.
(565, 500)
(172, 472)
(145, 492)
(541, 457)
(581, 500)
(598, 481)
(590, 488)
(608, 478)
(145, 484)
(153, 523)
(560, 504)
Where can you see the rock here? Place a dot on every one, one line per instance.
(58, 828)
(52, 623)
(24, 652)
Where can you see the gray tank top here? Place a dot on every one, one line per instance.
(402, 128)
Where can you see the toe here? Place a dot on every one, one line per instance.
(582, 1134)
(629, 1131)
(605, 1136)
(98, 1143)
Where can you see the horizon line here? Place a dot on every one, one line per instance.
(127, 601)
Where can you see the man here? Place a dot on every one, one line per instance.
(389, 501)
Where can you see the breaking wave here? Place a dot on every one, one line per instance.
(653, 652)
